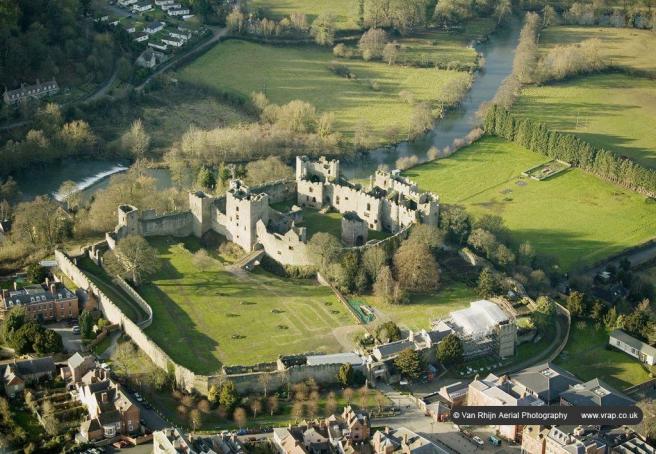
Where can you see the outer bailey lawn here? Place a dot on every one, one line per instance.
(574, 216)
(288, 73)
(204, 319)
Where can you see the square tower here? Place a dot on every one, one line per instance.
(243, 210)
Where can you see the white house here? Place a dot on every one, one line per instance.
(141, 37)
(154, 27)
(178, 12)
(142, 7)
(186, 36)
(158, 46)
(164, 2)
(127, 2)
(169, 6)
(173, 42)
(634, 347)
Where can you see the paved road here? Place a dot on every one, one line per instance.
(103, 89)
(72, 342)
(218, 34)
(637, 258)
(443, 434)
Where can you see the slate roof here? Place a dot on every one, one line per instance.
(76, 360)
(633, 342)
(595, 392)
(416, 443)
(394, 348)
(35, 366)
(546, 380)
(36, 294)
(336, 358)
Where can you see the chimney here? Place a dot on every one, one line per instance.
(104, 397)
(15, 285)
(387, 430)
(47, 281)
(53, 288)
(405, 439)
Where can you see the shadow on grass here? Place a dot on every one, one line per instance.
(176, 333)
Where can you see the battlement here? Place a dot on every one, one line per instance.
(322, 169)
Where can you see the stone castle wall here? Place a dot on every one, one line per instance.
(185, 378)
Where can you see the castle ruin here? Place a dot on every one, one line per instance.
(245, 216)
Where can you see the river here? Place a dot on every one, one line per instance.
(92, 175)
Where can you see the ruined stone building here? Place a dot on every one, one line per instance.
(245, 215)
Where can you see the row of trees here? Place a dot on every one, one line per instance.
(570, 60)
(567, 147)
(636, 14)
(455, 11)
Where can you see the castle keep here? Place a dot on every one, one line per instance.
(244, 215)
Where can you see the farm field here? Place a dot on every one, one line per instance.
(287, 73)
(631, 48)
(574, 216)
(587, 356)
(612, 111)
(423, 308)
(343, 10)
(204, 319)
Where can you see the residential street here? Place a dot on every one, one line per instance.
(445, 434)
(72, 342)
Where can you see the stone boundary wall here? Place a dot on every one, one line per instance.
(185, 378)
(127, 288)
(401, 234)
(323, 374)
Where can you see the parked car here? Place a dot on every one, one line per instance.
(138, 397)
(76, 329)
(494, 441)
(71, 322)
(476, 439)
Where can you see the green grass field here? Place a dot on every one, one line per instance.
(587, 356)
(343, 10)
(287, 73)
(205, 319)
(423, 308)
(612, 111)
(631, 48)
(574, 216)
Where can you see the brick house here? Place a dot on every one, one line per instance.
(111, 411)
(51, 301)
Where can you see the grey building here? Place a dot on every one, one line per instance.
(545, 381)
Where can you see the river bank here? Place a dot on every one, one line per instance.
(498, 51)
